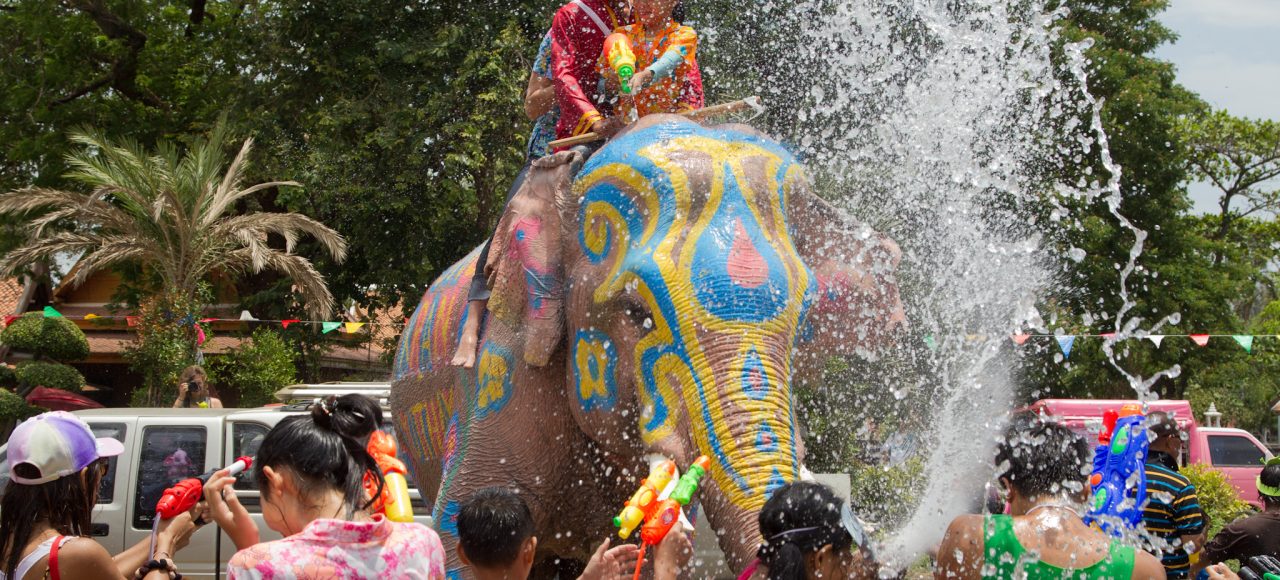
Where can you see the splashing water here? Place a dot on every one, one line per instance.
(937, 121)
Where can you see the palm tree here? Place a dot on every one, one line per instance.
(171, 212)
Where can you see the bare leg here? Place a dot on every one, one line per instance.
(465, 356)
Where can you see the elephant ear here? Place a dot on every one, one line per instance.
(858, 306)
(525, 267)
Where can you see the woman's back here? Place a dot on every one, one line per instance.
(1027, 547)
(329, 548)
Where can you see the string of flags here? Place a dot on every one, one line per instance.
(1067, 341)
(326, 326)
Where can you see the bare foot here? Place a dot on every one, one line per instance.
(465, 356)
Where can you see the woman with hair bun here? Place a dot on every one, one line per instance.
(810, 533)
(311, 470)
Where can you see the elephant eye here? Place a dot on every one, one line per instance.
(637, 312)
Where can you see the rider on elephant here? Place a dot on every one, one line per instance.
(669, 83)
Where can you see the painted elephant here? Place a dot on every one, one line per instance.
(661, 302)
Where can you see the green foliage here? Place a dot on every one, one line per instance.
(887, 494)
(13, 408)
(1218, 498)
(1240, 157)
(8, 379)
(46, 337)
(257, 369)
(166, 345)
(34, 373)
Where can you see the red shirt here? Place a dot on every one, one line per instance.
(577, 39)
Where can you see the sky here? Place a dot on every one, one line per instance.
(1228, 52)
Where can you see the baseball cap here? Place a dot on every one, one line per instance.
(56, 444)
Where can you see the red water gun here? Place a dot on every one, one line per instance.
(182, 496)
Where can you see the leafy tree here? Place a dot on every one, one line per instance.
(257, 369)
(1241, 158)
(166, 344)
(43, 337)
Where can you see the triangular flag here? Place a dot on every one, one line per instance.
(1246, 341)
(208, 320)
(286, 323)
(930, 342)
(1156, 339)
(245, 316)
(90, 316)
(49, 312)
(1020, 339)
(131, 320)
(1108, 336)
(352, 327)
(199, 335)
(327, 327)
(1065, 343)
(1199, 339)
(9, 319)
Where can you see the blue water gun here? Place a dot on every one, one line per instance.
(1119, 478)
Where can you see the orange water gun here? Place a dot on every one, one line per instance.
(394, 501)
(668, 511)
(644, 503)
(617, 51)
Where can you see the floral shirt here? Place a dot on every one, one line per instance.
(337, 549)
(544, 129)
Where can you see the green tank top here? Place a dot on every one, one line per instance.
(1004, 552)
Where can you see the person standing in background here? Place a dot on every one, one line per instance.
(1173, 510)
(194, 390)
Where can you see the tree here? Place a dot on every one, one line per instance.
(257, 369)
(50, 340)
(171, 212)
(1241, 158)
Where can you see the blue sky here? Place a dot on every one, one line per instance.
(1229, 53)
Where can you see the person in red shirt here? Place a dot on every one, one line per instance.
(577, 39)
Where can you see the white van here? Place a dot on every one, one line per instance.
(163, 446)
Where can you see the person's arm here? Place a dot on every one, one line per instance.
(672, 555)
(215, 403)
(960, 555)
(1190, 520)
(1221, 572)
(84, 558)
(574, 103)
(182, 394)
(1146, 566)
(539, 96)
(226, 510)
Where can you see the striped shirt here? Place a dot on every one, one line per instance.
(1172, 510)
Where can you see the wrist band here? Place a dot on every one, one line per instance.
(162, 564)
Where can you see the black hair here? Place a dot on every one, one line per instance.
(800, 518)
(677, 13)
(1270, 476)
(1040, 457)
(66, 503)
(1162, 425)
(492, 527)
(325, 449)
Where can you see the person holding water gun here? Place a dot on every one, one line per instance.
(653, 62)
(1172, 512)
(1118, 481)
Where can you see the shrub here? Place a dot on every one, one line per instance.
(13, 408)
(32, 374)
(8, 379)
(257, 369)
(1218, 498)
(165, 346)
(46, 337)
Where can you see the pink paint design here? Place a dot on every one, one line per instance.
(746, 266)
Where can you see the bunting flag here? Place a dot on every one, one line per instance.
(131, 320)
(245, 316)
(286, 323)
(352, 327)
(1156, 339)
(199, 335)
(1065, 343)
(930, 342)
(90, 316)
(1108, 336)
(49, 312)
(207, 320)
(1199, 339)
(1020, 339)
(9, 319)
(327, 327)
(1245, 342)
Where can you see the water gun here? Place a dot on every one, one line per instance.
(182, 496)
(394, 501)
(644, 503)
(1120, 458)
(1261, 568)
(668, 511)
(617, 51)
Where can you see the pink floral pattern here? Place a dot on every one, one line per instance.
(336, 549)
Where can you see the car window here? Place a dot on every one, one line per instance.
(107, 488)
(246, 438)
(1234, 451)
(169, 455)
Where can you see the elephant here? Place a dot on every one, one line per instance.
(658, 298)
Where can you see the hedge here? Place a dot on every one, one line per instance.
(52, 337)
(32, 374)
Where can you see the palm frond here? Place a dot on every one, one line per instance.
(290, 226)
(309, 283)
(44, 248)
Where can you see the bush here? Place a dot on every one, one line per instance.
(32, 374)
(257, 369)
(8, 379)
(165, 346)
(14, 408)
(46, 337)
(886, 494)
(1218, 498)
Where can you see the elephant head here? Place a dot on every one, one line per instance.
(683, 271)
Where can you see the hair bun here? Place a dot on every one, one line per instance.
(354, 416)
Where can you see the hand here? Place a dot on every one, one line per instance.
(673, 554)
(177, 530)
(640, 81)
(221, 497)
(182, 389)
(616, 562)
(1221, 572)
(200, 514)
(608, 126)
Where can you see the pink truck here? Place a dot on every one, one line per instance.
(1234, 452)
